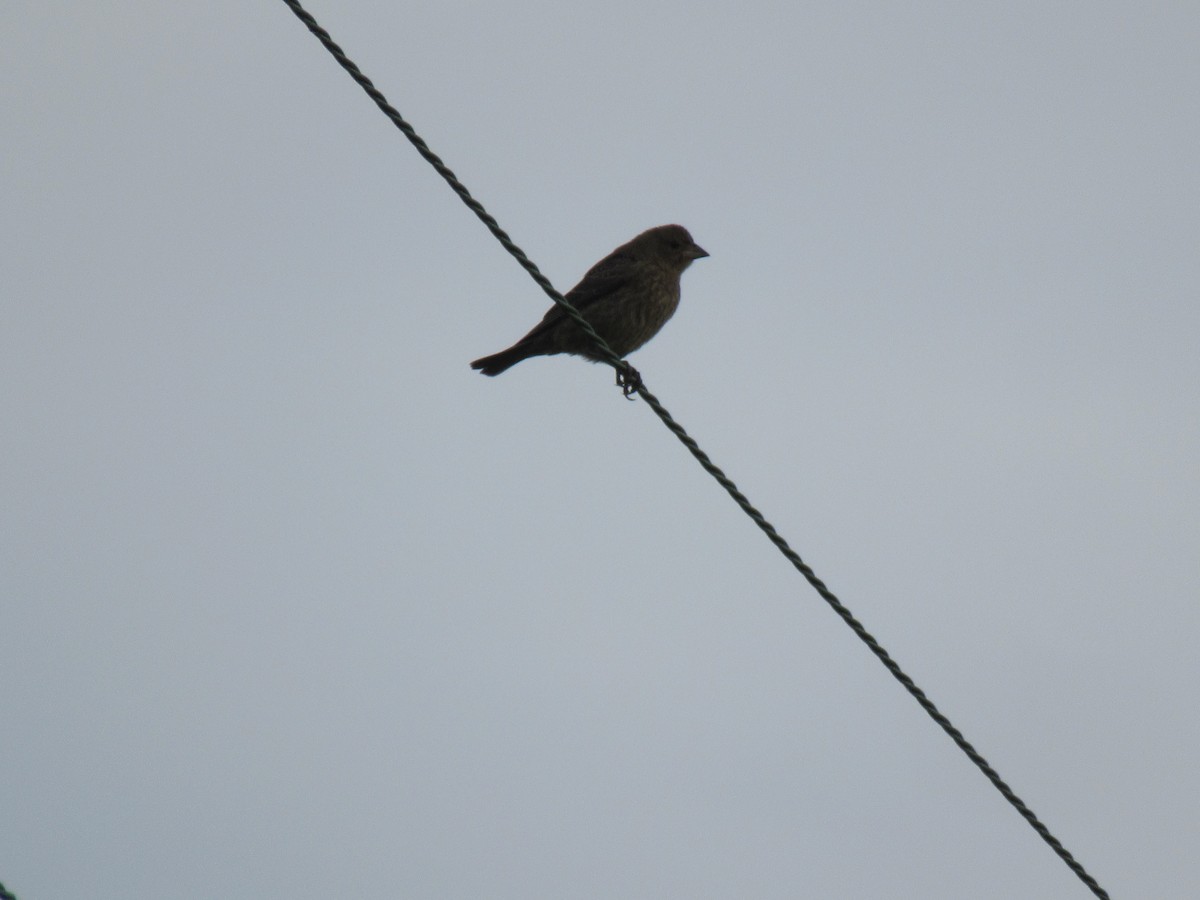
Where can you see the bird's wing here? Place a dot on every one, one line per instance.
(602, 280)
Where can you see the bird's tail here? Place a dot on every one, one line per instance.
(505, 359)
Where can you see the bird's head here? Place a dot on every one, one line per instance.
(672, 244)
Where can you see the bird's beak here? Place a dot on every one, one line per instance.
(698, 252)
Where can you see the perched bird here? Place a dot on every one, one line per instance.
(627, 297)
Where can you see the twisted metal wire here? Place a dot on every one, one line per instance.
(635, 385)
(458, 187)
(867, 638)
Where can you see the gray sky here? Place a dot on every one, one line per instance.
(293, 603)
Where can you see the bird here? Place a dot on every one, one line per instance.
(627, 297)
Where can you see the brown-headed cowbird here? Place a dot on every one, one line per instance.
(627, 297)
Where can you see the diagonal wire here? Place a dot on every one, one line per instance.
(459, 188)
(759, 519)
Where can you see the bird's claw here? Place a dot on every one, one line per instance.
(629, 380)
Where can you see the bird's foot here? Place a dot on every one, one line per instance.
(629, 380)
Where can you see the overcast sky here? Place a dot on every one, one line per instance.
(295, 604)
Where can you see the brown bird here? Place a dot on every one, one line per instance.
(627, 297)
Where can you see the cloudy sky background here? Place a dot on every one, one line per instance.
(293, 603)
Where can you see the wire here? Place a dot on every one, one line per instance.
(634, 384)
